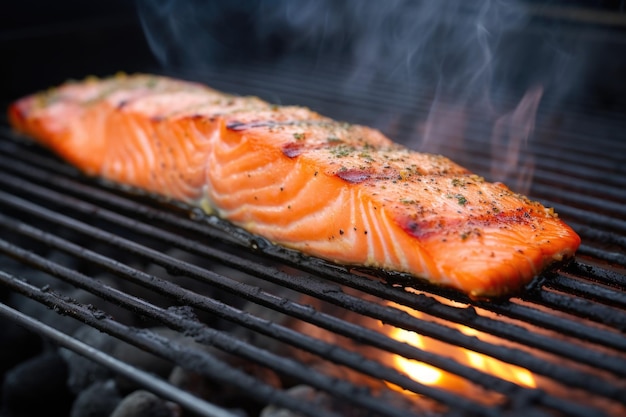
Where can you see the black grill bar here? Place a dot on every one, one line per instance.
(555, 323)
(613, 257)
(315, 317)
(180, 354)
(52, 300)
(230, 234)
(597, 292)
(152, 342)
(509, 331)
(592, 271)
(190, 402)
(562, 301)
(335, 353)
(530, 315)
(596, 220)
(608, 238)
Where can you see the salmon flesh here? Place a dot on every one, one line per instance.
(333, 190)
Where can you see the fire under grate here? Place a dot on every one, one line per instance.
(257, 325)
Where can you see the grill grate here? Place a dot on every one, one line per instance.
(262, 301)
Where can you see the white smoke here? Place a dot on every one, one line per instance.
(465, 55)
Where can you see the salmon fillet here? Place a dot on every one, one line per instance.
(333, 190)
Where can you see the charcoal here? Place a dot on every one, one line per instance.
(35, 309)
(303, 392)
(98, 400)
(37, 387)
(145, 404)
(191, 382)
(223, 394)
(85, 297)
(327, 401)
(142, 359)
(190, 284)
(84, 372)
(16, 345)
(202, 387)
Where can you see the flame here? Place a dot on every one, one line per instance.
(429, 375)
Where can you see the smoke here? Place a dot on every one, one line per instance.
(406, 40)
(469, 58)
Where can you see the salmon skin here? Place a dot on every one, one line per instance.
(333, 190)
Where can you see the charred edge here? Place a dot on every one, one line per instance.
(354, 176)
(474, 225)
(520, 215)
(239, 126)
(201, 118)
(292, 149)
(414, 229)
(425, 229)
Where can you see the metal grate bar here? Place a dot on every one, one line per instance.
(599, 293)
(201, 333)
(567, 302)
(97, 288)
(458, 318)
(335, 353)
(293, 309)
(510, 332)
(204, 363)
(159, 387)
(617, 258)
(548, 320)
(606, 238)
(340, 299)
(102, 197)
(593, 272)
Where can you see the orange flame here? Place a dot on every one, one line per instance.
(430, 375)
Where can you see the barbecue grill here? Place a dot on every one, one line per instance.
(243, 327)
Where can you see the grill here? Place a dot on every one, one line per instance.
(265, 325)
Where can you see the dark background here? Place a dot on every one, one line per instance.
(44, 43)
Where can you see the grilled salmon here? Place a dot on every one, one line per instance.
(333, 190)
